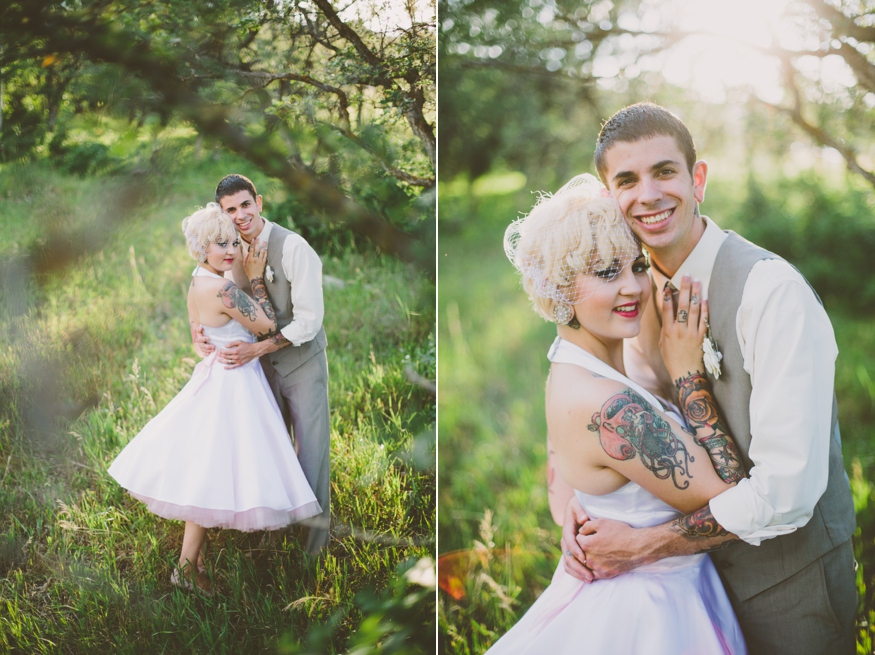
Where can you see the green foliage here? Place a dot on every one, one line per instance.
(90, 351)
(827, 232)
(495, 530)
(323, 85)
(81, 158)
(400, 619)
(23, 114)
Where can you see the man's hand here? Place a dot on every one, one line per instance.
(572, 554)
(238, 353)
(614, 547)
(200, 341)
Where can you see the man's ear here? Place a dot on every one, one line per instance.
(258, 202)
(700, 178)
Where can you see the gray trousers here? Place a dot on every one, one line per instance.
(809, 613)
(303, 399)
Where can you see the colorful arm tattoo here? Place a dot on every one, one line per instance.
(697, 404)
(701, 524)
(259, 291)
(628, 426)
(233, 297)
(279, 340)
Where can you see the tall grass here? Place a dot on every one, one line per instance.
(90, 350)
(498, 544)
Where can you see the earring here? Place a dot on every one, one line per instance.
(563, 313)
(202, 257)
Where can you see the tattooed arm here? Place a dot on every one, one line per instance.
(698, 527)
(605, 434)
(681, 345)
(257, 317)
(641, 444)
(259, 291)
(697, 403)
(238, 353)
(613, 547)
(253, 265)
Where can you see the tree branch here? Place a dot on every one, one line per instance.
(816, 132)
(103, 40)
(397, 173)
(350, 35)
(841, 22)
(342, 98)
(414, 97)
(863, 69)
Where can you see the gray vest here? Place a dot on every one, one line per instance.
(752, 569)
(285, 360)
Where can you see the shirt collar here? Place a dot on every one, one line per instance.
(700, 262)
(264, 235)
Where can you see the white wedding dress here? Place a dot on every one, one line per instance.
(219, 453)
(676, 606)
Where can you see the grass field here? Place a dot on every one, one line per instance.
(497, 541)
(96, 342)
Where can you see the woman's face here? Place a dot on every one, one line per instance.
(220, 256)
(614, 309)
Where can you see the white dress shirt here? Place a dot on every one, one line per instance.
(789, 351)
(303, 269)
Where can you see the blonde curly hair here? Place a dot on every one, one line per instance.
(206, 226)
(570, 242)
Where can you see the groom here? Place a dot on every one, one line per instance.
(294, 358)
(781, 539)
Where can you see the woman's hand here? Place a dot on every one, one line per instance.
(572, 554)
(201, 341)
(255, 260)
(682, 335)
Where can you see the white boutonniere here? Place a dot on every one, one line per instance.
(712, 355)
(268, 273)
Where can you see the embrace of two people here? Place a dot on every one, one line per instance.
(219, 454)
(694, 453)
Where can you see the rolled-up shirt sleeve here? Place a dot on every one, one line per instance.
(303, 269)
(789, 350)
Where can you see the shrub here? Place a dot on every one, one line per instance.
(828, 234)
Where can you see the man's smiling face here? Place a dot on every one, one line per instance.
(652, 183)
(245, 211)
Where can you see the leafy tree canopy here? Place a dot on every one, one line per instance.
(336, 103)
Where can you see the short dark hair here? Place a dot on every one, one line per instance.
(231, 184)
(643, 120)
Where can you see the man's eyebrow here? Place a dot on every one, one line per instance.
(623, 174)
(664, 162)
(655, 167)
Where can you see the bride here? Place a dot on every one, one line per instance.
(627, 454)
(218, 455)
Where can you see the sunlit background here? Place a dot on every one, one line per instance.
(117, 119)
(779, 97)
